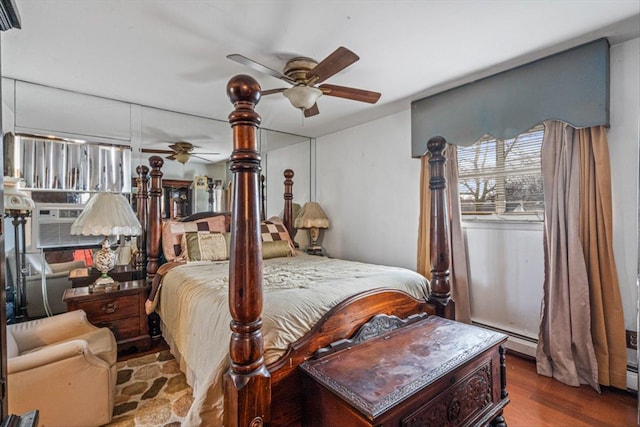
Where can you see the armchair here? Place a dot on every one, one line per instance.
(63, 366)
(56, 278)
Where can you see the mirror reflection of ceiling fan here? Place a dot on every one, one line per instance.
(304, 74)
(181, 151)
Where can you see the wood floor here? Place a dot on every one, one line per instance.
(538, 401)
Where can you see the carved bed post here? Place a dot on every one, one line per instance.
(247, 383)
(263, 197)
(141, 211)
(440, 287)
(287, 217)
(210, 195)
(155, 217)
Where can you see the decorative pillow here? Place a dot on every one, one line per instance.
(172, 232)
(275, 249)
(273, 230)
(205, 246)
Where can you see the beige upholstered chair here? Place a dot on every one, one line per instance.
(63, 366)
(56, 282)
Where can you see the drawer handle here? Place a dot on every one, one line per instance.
(110, 308)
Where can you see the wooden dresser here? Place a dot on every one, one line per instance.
(434, 372)
(121, 310)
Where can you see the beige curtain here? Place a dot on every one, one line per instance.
(581, 286)
(596, 234)
(424, 229)
(565, 348)
(459, 271)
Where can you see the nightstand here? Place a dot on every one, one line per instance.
(121, 273)
(121, 310)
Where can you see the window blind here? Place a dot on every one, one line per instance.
(502, 177)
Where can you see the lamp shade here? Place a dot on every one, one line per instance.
(182, 157)
(107, 214)
(14, 199)
(311, 216)
(302, 96)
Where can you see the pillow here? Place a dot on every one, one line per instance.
(172, 232)
(274, 230)
(205, 246)
(275, 249)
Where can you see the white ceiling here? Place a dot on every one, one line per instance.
(172, 54)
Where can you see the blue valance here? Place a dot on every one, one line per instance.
(571, 86)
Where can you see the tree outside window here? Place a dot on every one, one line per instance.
(500, 178)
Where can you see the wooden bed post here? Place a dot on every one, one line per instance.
(247, 383)
(287, 217)
(440, 287)
(141, 211)
(155, 217)
(263, 197)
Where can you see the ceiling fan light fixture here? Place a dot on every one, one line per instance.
(182, 157)
(302, 96)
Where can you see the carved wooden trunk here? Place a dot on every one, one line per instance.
(434, 372)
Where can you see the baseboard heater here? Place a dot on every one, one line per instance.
(527, 346)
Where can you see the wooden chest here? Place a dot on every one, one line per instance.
(434, 372)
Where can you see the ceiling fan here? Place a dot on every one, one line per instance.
(181, 151)
(305, 73)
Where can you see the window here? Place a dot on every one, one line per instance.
(502, 179)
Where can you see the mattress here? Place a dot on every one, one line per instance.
(298, 291)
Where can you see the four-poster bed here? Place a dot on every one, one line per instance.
(262, 382)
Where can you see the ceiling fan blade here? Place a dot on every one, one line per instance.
(340, 59)
(310, 112)
(171, 157)
(259, 67)
(181, 147)
(272, 91)
(351, 93)
(155, 151)
(203, 158)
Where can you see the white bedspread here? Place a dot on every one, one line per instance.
(298, 291)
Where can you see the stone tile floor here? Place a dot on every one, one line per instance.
(150, 391)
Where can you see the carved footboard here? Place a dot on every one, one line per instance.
(342, 322)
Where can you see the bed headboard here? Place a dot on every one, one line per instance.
(150, 242)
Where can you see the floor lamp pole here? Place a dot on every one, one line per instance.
(19, 221)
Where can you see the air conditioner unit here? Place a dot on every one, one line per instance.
(51, 226)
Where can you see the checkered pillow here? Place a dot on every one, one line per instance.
(275, 231)
(172, 232)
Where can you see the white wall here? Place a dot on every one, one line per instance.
(506, 261)
(296, 157)
(368, 185)
(624, 137)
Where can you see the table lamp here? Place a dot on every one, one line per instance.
(312, 218)
(106, 214)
